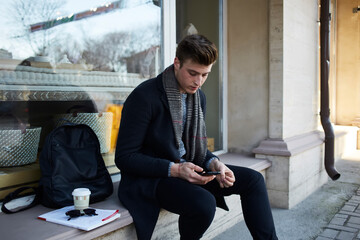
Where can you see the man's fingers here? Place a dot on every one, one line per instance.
(230, 178)
(193, 167)
(198, 168)
(228, 184)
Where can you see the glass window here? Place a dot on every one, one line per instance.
(205, 17)
(65, 57)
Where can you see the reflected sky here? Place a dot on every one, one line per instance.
(137, 16)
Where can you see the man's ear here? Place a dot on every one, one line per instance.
(176, 63)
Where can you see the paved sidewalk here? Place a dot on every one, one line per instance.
(332, 212)
(346, 223)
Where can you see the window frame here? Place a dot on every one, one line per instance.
(223, 69)
(169, 49)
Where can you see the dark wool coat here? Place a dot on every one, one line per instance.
(146, 145)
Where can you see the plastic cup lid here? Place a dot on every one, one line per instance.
(81, 192)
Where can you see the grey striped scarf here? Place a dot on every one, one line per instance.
(194, 132)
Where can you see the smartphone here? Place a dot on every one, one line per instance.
(209, 173)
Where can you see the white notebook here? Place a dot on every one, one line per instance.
(84, 222)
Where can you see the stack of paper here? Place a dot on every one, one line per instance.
(85, 222)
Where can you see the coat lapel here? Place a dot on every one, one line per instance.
(161, 90)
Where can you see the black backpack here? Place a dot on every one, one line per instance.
(70, 159)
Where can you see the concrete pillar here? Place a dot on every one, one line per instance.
(294, 145)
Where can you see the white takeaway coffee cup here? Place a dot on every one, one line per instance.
(81, 198)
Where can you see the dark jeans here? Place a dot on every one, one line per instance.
(196, 204)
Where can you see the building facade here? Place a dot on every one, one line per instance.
(263, 93)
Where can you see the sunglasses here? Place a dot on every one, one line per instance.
(77, 213)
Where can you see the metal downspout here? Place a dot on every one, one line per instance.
(324, 102)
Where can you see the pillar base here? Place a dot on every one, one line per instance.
(297, 167)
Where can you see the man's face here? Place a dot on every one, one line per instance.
(191, 76)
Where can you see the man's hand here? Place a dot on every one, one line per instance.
(188, 171)
(226, 177)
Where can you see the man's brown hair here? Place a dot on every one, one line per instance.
(197, 48)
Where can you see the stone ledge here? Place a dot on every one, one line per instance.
(245, 161)
(18, 225)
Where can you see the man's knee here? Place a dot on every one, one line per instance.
(257, 182)
(251, 181)
(198, 217)
(205, 205)
(258, 176)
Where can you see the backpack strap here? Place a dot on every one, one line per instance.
(13, 195)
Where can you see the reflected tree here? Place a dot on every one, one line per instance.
(107, 52)
(23, 13)
(68, 47)
(110, 52)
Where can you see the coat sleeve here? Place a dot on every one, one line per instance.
(135, 121)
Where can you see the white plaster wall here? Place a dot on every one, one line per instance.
(247, 74)
(300, 83)
(347, 62)
(295, 86)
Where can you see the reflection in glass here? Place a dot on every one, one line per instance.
(189, 21)
(57, 54)
(104, 36)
